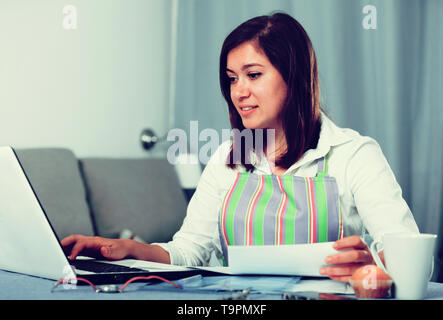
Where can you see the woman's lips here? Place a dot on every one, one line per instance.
(247, 110)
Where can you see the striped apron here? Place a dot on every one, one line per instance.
(275, 210)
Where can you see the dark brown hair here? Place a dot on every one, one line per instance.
(288, 47)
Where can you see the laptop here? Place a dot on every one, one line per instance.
(29, 244)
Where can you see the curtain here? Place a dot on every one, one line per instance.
(385, 82)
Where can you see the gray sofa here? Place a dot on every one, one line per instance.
(103, 196)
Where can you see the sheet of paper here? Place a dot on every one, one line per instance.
(155, 266)
(297, 259)
(218, 269)
(148, 265)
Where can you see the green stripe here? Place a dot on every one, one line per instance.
(322, 209)
(260, 210)
(224, 261)
(290, 213)
(235, 197)
(251, 199)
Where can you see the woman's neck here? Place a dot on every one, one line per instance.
(275, 147)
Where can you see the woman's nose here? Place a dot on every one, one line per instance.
(240, 90)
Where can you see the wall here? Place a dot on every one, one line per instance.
(92, 88)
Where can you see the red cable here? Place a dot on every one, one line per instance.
(88, 282)
(77, 279)
(148, 278)
(122, 287)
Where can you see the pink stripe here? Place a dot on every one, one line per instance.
(280, 212)
(252, 209)
(313, 223)
(225, 206)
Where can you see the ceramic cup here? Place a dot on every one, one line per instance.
(409, 261)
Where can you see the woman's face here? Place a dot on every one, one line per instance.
(258, 90)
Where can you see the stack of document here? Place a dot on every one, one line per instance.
(299, 264)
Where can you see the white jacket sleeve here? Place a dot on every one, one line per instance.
(377, 195)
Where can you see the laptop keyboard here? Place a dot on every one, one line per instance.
(102, 267)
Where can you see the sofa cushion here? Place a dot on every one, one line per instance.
(55, 177)
(142, 195)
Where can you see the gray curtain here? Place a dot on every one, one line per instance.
(385, 83)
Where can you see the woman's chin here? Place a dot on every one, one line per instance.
(251, 125)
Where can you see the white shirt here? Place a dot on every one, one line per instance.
(370, 196)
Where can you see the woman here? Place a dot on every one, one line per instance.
(312, 182)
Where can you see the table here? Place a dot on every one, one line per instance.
(23, 294)
(14, 286)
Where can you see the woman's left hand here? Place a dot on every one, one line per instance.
(355, 255)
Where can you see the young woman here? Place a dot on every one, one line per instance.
(313, 182)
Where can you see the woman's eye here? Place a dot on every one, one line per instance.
(232, 79)
(254, 75)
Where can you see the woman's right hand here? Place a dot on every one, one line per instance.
(96, 247)
(113, 249)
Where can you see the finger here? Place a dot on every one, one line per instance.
(110, 252)
(76, 249)
(88, 246)
(69, 240)
(351, 256)
(350, 242)
(106, 252)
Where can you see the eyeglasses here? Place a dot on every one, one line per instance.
(112, 288)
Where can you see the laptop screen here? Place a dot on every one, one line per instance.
(28, 243)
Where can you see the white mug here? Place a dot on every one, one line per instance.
(409, 261)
